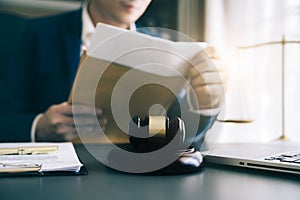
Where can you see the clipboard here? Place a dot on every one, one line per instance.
(39, 159)
(82, 171)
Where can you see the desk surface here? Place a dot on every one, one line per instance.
(212, 183)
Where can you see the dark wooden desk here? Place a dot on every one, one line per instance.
(212, 183)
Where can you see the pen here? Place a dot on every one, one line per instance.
(17, 167)
(28, 150)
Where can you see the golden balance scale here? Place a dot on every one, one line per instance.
(283, 42)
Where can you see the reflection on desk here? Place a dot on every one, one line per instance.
(212, 183)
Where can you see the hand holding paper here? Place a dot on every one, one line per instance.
(206, 81)
(57, 124)
(126, 73)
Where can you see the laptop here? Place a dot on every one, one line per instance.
(274, 157)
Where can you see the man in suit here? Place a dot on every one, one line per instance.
(35, 109)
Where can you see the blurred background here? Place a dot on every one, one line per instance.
(250, 36)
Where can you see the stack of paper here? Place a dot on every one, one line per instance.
(64, 158)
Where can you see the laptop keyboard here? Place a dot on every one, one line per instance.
(290, 157)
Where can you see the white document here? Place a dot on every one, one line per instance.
(65, 159)
(146, 53)
(125, 73)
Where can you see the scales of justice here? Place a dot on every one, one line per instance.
(283, 43)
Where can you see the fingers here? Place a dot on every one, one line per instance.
(210, 51)
(194, 71)
(203, 65)
(78, 109)
(205, 78)
(203, 60)
(65, 133)
(222, 68)
(64, 114)
(62, 122)
(68, 133)
(81, 109)
(209, 96)
(59, 109)
(56, 120)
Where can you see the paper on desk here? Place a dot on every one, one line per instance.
(65, 159)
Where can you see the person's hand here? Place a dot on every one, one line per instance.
(207, 79)
(58, 122)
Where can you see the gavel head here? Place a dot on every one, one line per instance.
(155, 132)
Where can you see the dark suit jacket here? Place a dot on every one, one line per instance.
(41, 72)
(15, 110)
(38, 70)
